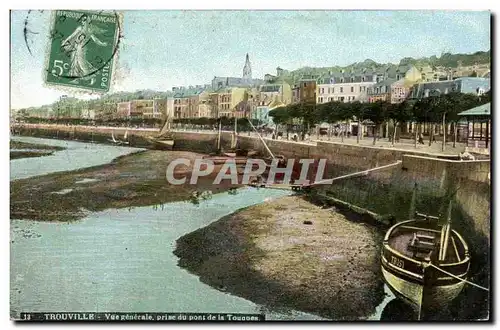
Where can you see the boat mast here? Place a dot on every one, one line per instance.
(235, 134)
(218, 136)
(261, 139)
(445, 233)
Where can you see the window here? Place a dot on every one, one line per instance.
(341, 80)
(352, 89)
(320, 100)
(360, 89)
(333, 89)
(363, 78)
(341, 89)
(352, 79)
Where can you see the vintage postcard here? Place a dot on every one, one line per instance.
(247, 166)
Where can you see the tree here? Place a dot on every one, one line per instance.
(378, 113)
(281, 116)
(357, 111)
(400, 113)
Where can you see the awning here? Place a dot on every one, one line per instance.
(482, 110)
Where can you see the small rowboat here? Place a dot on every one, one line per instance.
(424, 262)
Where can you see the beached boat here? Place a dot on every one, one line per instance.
(424, 262)
(164, 140)
(236, 155)
(117, 141)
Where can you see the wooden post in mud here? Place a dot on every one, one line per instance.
(413, 203)
(218, 136)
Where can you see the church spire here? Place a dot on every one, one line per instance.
(247, 69)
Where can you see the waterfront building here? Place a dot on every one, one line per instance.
(227, 101)
(141, 108)
(381, 91)
(187, 101)
(261, 112)
(306, 89)
(203, 105)
(396, 88)
(472, 85)
(281, 90)
(335, 88)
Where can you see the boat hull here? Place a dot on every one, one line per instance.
(164, 145)
(416, 294)
(418, 282)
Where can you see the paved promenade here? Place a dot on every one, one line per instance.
(403, 144)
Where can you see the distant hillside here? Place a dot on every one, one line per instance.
(445, 60)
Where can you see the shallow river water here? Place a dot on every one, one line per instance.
(117, 260)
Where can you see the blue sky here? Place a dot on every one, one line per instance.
(162, 49)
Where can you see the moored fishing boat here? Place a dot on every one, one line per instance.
(164, 140)
(424, 262)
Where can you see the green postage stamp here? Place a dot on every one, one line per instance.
(82, 48)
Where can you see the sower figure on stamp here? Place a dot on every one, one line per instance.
(75, 45)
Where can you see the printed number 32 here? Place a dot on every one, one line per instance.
(57, 65)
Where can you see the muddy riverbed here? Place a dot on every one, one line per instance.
(290, 253)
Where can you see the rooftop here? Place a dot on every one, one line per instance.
(482, 110)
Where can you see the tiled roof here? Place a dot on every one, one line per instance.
(386, 82)
(187, 93)
(270, 88)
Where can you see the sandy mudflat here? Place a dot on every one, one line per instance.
(265, 253)
(133, 180)
(27, 150)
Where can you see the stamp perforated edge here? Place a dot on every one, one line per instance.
(78, 90)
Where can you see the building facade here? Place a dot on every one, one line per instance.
(472, 85)
(187, 101)
(307, 90)
(343, 92)
(228, 99)
(283, 91)
(141, 108)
